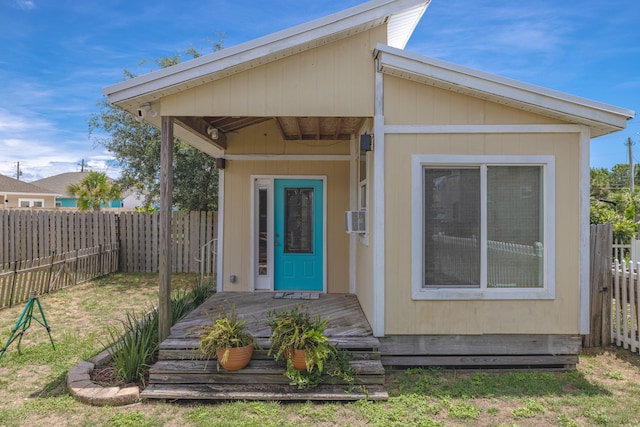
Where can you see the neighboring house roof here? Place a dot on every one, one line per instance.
(402, 17)
(601, 118)
(60, 183)
(10, 185)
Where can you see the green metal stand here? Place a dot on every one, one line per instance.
(24, 322)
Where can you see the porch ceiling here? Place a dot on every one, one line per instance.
(295, 128)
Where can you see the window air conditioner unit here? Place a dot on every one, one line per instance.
(356, 221)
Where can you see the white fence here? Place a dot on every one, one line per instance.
(626, 251)
(508, 264)
(625, 310)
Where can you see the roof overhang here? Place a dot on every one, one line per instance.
(601, 118)
(402, 16)
(26, 194)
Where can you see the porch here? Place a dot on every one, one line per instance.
(181, 374)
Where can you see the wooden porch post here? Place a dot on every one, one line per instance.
(166, 202)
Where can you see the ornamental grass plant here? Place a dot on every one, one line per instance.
(134, 343)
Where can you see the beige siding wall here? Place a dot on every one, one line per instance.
(364, 259)
(13, 200)
(331, 80)
(408, 103)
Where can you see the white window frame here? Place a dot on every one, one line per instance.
(418, 163)
(31, 203)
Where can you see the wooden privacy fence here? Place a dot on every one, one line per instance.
(614, 295)
(35, 234)
(600, 286)
(19, 280)
(190, 231)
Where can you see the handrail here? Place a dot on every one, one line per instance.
(208, 257)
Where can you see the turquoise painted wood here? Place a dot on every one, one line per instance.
(298, 234)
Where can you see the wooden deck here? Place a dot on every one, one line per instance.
(180, 373)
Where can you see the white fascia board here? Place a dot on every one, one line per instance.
(421, 68)
(401, 25)
(27, 195)
(271, 47)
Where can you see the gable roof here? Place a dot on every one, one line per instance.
(59, 183)
(10, 185)
(601, 118)
(402, 16)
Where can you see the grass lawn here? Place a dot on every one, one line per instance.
(604, 391)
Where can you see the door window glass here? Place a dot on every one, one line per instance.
(298, 220)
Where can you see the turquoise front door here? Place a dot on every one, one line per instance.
(298, 234)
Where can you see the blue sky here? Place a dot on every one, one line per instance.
(56, 56)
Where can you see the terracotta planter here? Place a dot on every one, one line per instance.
(298, 360)
(237, 358)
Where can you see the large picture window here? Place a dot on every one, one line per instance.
(482, 226)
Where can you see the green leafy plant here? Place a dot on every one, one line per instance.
(295, 329)
(226, 331)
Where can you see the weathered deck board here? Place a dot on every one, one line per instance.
(180, 372)
(482, 361)
(346, 318)
(474, 345)
(268, 372)
(224, 392)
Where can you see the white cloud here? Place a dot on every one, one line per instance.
(24, 4)
(43, 149)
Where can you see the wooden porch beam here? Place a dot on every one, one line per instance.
(166, 202)
(199, 126)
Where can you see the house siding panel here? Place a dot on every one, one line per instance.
(332, 80)
(410, 103)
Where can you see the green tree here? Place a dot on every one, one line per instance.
(619, 176)
(136, 146)
(600, 183)
(94, 191)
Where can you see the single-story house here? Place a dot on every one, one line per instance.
(60, 184)
(20, 194)
(464, 195)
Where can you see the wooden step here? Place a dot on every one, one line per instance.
(257, 371)
(188, 348)
(194, 354)
(278, 392)
(343, 342)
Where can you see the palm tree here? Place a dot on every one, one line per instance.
(94, 190)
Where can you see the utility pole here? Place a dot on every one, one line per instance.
(18, 173)
(629, 144)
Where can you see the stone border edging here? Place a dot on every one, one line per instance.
(82, 388)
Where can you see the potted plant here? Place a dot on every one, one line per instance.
(300, 339)
(227, 340)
